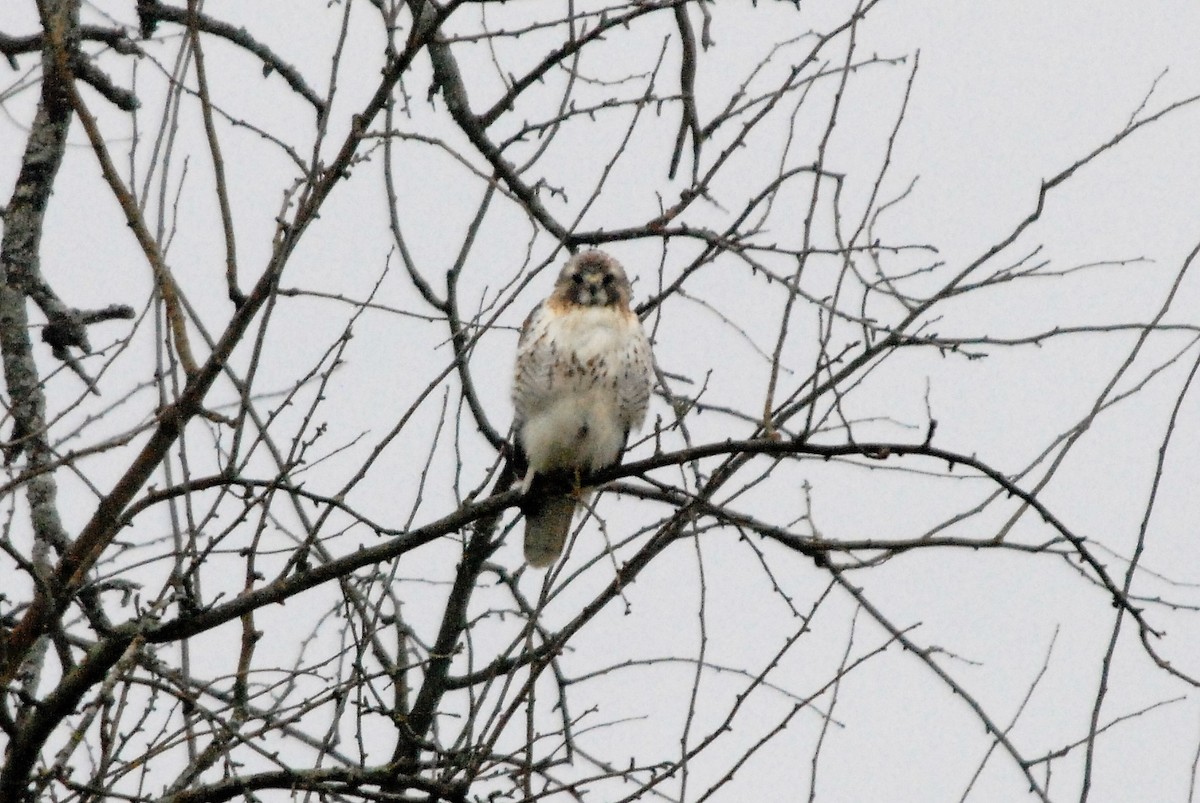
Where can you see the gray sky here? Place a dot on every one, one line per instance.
(1006, 96)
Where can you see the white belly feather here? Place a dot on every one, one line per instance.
(574, 431)
(576, 390)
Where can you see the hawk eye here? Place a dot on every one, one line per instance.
(607, 280)
(577, 278)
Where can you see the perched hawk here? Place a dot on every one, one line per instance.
(582, 383)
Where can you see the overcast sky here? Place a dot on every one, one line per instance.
(1006, 95)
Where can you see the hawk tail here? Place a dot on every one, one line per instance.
(547, 523)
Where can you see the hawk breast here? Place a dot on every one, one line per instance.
(582, 384)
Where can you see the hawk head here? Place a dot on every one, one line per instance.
(593, 279)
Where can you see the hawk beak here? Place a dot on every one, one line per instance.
(596, 292)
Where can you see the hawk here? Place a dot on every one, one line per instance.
(581, 385)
